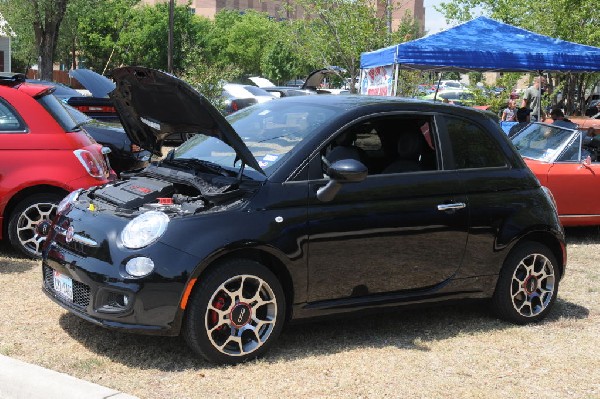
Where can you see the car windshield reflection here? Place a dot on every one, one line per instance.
(544, 142)
(270, 131)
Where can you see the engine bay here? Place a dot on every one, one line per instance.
(168, 190)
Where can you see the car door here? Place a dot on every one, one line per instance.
(575, 188)
(574, 183)
(391, 232)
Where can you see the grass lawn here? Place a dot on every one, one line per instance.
(459, 351)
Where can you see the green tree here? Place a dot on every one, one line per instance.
(282, 60)
(206, 77)
(144, 42)
(242, 39)
(44, 18)
(23, 49)
(96, 29)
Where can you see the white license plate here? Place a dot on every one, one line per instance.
(63, 285)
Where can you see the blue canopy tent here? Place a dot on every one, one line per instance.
(482, 44)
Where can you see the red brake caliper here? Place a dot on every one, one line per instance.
(218, 303)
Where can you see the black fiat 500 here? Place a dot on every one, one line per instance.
(301, 207)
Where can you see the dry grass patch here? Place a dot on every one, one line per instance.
(442, 352)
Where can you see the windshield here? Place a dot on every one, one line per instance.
(271, 131)
(544, 142)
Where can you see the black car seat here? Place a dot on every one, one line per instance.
(344, 148)
(410, 146)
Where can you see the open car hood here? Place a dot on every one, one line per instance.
(315, 78)
(153, 104)
(97, 84)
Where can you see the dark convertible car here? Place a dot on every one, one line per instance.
(302, 207)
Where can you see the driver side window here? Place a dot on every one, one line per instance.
(385, 145)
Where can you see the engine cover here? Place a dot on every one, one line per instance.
(135, 192)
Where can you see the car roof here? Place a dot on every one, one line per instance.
(349, 102)
(31, 90)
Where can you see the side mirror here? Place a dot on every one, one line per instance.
(587, 161)
(341, 172)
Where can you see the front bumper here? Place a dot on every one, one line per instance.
(104, 294)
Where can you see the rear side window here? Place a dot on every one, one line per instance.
(9, 119)
(472, 146)
(58, 111)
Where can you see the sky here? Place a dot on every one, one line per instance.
(434, 21)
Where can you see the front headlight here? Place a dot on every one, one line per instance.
(68, 201)
(144, 229)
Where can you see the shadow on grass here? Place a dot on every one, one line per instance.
(410, 329)
(583, 235)
(12, 261)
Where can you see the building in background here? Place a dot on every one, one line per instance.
(280, 9)
(6, 33)
(413, 8)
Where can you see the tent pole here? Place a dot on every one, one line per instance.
(437, 88)
(539, 115)
(395, 88)
(359, 89)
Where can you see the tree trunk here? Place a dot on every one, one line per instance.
(47, 16)
(45, 60)
(74, 55)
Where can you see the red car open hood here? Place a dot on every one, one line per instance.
(153, 104)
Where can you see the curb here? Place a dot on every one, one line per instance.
(20, 380)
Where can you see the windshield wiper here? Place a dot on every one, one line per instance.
(196, 163)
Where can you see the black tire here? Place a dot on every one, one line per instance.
(234, 288)
(527, 285)
(25, 217)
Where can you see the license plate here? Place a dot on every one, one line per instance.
(63, 285)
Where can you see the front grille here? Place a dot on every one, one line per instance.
(81, 292)
(73, 246)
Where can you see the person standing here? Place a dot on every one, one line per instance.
(532, 98)
(508, 114)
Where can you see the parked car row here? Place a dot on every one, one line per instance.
(96, 103)
(311, 85)
(457, 97)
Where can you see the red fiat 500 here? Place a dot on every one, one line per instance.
(43, 156)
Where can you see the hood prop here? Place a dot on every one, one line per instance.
(241, 172)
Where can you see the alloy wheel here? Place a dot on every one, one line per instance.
(532, 286)
(27, 223)
(241, 315)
